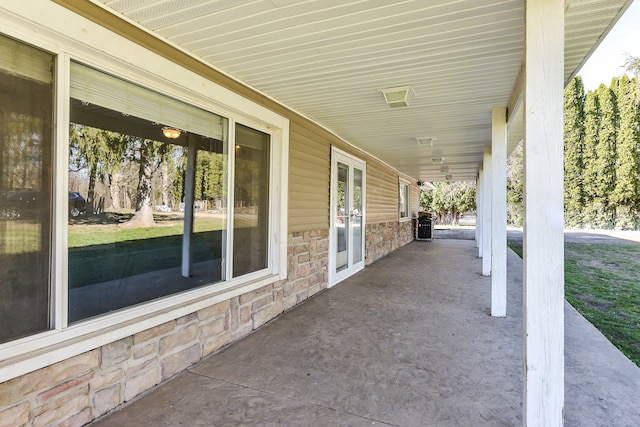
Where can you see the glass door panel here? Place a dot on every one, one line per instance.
(356, 215)
(347, 218)
(342, 195)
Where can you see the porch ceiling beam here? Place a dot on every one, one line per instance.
(543, 217)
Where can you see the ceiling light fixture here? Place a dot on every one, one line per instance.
(444, 169)
(437, 160)
(448, 177)
(398, 96)
(171, 132)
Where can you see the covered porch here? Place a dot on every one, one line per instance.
(408, 341)
(428, 335)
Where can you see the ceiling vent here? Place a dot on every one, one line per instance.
(398, 96)
(426, 141)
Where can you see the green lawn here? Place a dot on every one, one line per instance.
(87, 234)
(111, 261)
(101, 250)
(100, 253)
(20, 237)
(602, 282)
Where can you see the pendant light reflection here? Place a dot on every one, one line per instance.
(171, 133)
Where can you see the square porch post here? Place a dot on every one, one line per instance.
(479, 208)
(477, 235)
(543, 199)
(486, 212)
(499, 212)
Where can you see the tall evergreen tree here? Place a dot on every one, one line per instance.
(592, 118)
(573, 153)
(626, 194)
(453, 198)
(604, 180)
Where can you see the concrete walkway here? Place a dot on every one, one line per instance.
(407, 342)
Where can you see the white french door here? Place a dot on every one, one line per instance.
(348, 176)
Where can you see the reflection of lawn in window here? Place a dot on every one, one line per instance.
(99, 253)
(86, 235)
(20, 237)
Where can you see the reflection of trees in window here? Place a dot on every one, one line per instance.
(21, 152)
(98, 153)
(251, 200)
(118, 160)
(26, 130)
(149, 155)
(357, 194)
(210, 177)
(139, 173)
(341, 190)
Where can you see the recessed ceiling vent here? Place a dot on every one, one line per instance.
(426, 141)
(398, 96)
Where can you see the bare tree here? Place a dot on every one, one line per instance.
(632, 64)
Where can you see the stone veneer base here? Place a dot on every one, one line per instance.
(384, 237)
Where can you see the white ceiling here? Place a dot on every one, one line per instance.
(327, 60)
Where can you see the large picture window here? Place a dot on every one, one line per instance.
(148, 195)
(133, 191)
(26, 116)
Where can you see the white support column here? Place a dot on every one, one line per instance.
(486, 212)
(189, 184)
(543, 198)
(477, 212)
(499, 212)
(479, 209)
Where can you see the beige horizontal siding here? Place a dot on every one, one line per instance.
(309, 179)
(382, 193)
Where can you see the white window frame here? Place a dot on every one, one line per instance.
(69, 36)
(407, 200)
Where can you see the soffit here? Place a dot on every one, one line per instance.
(327, 59)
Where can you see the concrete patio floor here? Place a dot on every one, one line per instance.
(407, 342)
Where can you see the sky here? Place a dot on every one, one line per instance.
(609, 58)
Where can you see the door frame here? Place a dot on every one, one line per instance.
(351, 161)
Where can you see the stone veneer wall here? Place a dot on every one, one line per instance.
(384, 237)
(82, 388)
